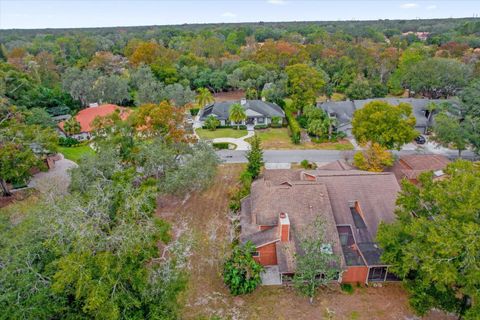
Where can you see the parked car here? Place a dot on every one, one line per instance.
(420, 139)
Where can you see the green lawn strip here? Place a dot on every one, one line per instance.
(220, 133)
(76, 153)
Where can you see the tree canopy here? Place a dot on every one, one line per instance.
(389, 126)
(432, 245)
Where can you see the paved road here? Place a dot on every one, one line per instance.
(289, 156)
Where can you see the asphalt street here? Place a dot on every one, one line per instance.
(290, 156)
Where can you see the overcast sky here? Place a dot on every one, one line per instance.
(102, 13)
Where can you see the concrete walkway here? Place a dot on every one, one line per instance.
(55, 180)
(239, 142)
(271, 276)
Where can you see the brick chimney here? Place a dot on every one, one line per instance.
(284, 227)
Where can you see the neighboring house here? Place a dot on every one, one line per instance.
(343, 111)
(352, 204)
(411, 166)
(258, 112)
(86, 117)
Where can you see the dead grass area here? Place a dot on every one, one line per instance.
(205, 217)
(230, 95)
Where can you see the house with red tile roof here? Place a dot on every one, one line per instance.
(352, 203)
(87, 116)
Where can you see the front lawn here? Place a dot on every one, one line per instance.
(76, 153)
(278, 139)
(207, 134)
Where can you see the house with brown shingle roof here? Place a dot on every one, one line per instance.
(411, 166)
(352, 204)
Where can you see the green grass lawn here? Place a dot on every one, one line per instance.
(76, 153)
(278, 139)
(220, 133)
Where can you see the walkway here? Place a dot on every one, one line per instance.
(54, 180)
(271, 276)
(241, 144)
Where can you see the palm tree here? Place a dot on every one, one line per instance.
(71, 126)
(237, 114)
(204, 97)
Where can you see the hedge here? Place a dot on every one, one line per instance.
(242, 127)
(221, 145)
(295, 131)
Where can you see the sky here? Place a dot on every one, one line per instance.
(105, 13)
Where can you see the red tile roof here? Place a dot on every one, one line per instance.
(86, 116)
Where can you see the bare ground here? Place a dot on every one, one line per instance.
(205, 217)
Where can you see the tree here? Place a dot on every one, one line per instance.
(255, 157)
(317, 127)
(212, 122)
(317, 265)
(470, 99)
(80, 84)
(72, 126)
(22, 147)
(388, 125)
(437, 77)
(159, 120)
(304, 83)
(359, 89)
(204, 97)
(111, 89)
(450, 132)
(237, 114)
(432, 245)
(375, 158)
(178, 94)
(241, 273)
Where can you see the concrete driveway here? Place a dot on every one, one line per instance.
(241, 144)
(55, 180)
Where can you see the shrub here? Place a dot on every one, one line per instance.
(221, 145)
(212, 123)
(241, 273)
(295, 131)
(308, 165)
(347, 288)
(261, 126)
(340, 135)
(68, 142)
(194, 111)
(302, 121)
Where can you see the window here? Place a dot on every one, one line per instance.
(260, 120)
(256, 254)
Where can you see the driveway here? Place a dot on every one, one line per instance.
(55, 180)
(241, 144)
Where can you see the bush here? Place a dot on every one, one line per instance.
(221, 145)
(308, 165)
(261, 126)
(295, 131)
(276, 125)
(241, 273)
(68, 142)
(302, 121)
(340, 135)
(194, 111)
(347, 288)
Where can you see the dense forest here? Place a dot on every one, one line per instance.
(62, 70)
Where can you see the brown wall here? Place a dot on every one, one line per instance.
(262, 228)
(268, 255)
(355, 274)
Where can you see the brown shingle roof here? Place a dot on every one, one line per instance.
(411, 166)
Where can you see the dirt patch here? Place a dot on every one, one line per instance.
(230, 95)
(17, 196)
(205, 215)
